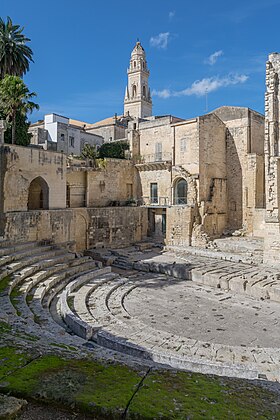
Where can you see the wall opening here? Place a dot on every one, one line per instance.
(68, 195)
(134, 91)
(38, 195)
(154, 193)
(181, 192)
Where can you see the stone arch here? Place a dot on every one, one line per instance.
(179, 173)
(180, 191)
(144, 91)
(134, 91)
(38, 194)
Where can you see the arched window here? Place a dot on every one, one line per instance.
(144, 91)
(181, 192)
(134, 91)
(134, 64)
(38, 195)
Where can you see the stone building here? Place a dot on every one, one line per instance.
(186, 182)
(272, 161)
(47, 196)
(62, 134)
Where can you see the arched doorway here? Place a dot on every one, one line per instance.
(38, 195)
(181, 191)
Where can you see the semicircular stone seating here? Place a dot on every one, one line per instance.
(51, 292)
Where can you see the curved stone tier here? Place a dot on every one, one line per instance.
(147, 314)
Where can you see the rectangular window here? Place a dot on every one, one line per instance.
(62, 136)
(158, 152)
(183, 145)
(129, 191)
(154, 193)
(71, 141)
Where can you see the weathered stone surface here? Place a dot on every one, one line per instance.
(10, 407)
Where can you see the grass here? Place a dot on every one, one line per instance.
(4, 327)
(14, 295)
(104, 390)
(100, 389)
(70, 301)
(12, 359)
(4, 283)
(29, 298)
(181, 395)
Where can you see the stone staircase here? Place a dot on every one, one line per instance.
(50, 292)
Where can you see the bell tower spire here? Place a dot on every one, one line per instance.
(137, 101)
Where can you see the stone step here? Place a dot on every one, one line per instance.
(9, 248)
(82, 295)
(43, 293)
(70, 318)
(40, 317)
(27, 267)
(42, 276)
(22, 254)
(30, 264)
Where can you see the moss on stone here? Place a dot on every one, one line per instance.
(63, 346)
(4, 283)
(4, 327)
(181, 395)
(105, 390)
(12, 359)
(91, 386)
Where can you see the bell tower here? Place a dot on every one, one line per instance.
(137, 100)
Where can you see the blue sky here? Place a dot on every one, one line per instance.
(82, 50)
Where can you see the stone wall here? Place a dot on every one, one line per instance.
(162, 177)
(153, 133)
(95, 227)
(272, 161)
(22, 166)
(186, 143)
(179, 221)
(3, 169)
(245, 136)
(118, 181)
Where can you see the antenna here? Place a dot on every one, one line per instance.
(206, 100)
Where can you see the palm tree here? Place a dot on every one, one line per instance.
(15, 99)
(15, 55)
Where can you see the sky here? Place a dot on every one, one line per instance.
(201, 55)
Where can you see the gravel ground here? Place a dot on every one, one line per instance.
(45, 412)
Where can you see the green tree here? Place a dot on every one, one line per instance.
(15, 100)
(115, 149)
(89, 152)
(22, 136)
(15, 55)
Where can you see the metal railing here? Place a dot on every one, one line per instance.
(155, 201)
(155, 157)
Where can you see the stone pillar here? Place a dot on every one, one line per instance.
(3, 127)
(272, 162)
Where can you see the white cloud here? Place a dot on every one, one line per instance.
(214, 57)
(171, 14)
(165, 93)
(200, 87)
(160, 40)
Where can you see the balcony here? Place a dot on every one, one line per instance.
(155, 201)
(155, 161)
(156, 157)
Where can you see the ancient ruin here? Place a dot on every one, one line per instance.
(170, 256)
